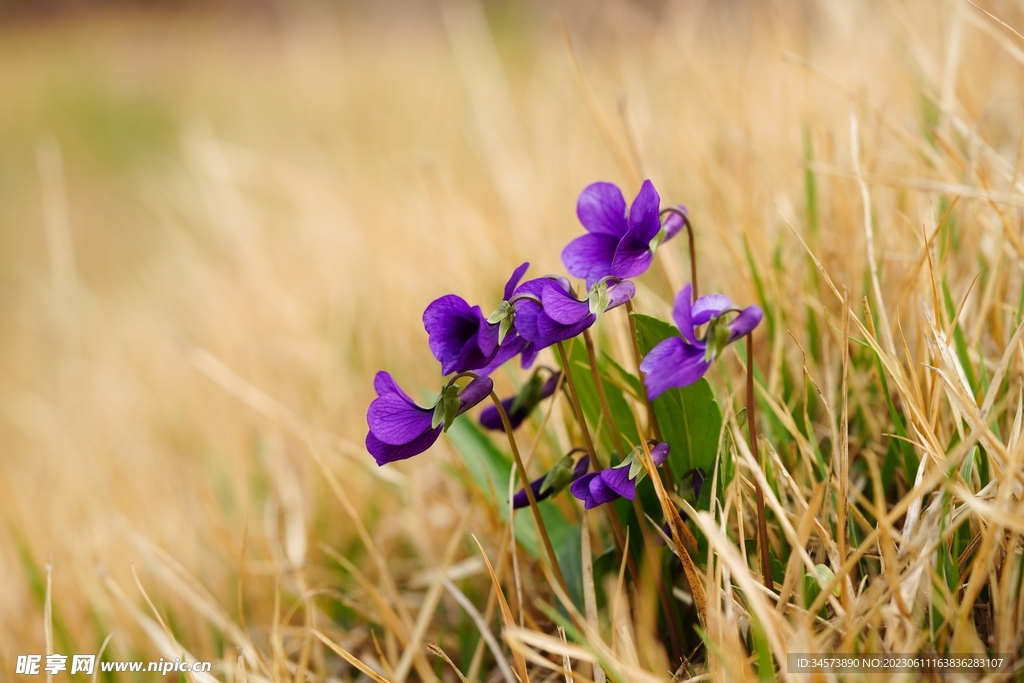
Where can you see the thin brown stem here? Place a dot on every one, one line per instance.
(652, 418)
(602, 397)
(574, 398)
(549, 549)
(762, 523)
(652, 558)
(693, 251)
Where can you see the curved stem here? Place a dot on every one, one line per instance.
(762, 523)
(549, 549)
(693, 252)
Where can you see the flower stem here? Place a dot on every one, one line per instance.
(652, 558)
(548, 548)
(693, 252)
(652, 418)
(574, 398)
(762, 523)
(602, 397)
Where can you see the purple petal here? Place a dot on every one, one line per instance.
(581, 467)
(620, 294)
(673, 223)
(601, 208)
(520, 500)
(632, 257)
(528, 355)
(589, 256)
(660, 453)
(384, 383)
(562, 307)
(682, 313)
(550, 332)
(517, 275)
(643, 214)
(600, 492)
(707, 307)
(490, 418)
(581, 487)
(672, 364)
(474, 392)
(744, 323)
(384, 453)
(508, 350)
(451, 324)
(393, 417)
(617, 479)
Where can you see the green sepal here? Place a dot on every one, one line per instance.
(717, 338)
(504, 316)
(504, 327)
(658, 239)
(598, 298)
(500, 313)
(559, 476)
(529, 395)
(637, 471)
(450, 405)
(438, 416)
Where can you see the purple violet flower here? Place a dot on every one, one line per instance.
(681, 361)
(598, 488)
(519, 407)
(400, 429)
(461, 337)
(617, 244)
(559, 315)
(553, 481)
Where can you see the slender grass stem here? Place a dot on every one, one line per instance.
(652, 558)
(602, 397)
(574, 398)
(652, 418)
(762, 523)
(693, 252)
(549, 549)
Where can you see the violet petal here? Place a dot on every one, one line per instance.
(617, 479)
(672, 364)
(745, 322)
(590, 256)
(386, 453)
(643, 214)
(682, 313)
(601, 208)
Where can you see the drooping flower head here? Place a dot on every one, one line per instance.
(519, 406)
(463, 340)
(547, 312)
(681, 361)
(617, 243)
(400, 429)
(553, 481)
(598, 488)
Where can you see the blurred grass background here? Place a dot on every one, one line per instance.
(197, 204)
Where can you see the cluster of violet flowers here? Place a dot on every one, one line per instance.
(541, 312)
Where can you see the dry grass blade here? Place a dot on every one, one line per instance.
(506, 614)
(434, 648)
(485, 631)
(348, 657)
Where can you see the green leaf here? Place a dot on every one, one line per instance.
(489, 468)
(690, 418)
(621, 413)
